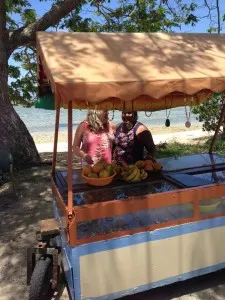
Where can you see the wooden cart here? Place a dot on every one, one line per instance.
(123, 239)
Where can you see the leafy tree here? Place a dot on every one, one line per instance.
(17, 38)
(209, 113)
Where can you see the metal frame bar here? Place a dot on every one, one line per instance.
(70, 159)
(56, 134)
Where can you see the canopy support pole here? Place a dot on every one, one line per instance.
(56, 135)
(222, 115)
(70, 159)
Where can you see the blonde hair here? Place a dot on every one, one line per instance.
(94, 121)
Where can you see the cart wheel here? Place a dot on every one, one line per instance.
(40, 283)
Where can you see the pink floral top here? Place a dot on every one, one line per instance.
(98, 145)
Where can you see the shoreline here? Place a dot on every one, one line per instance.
(48, 137)
(195, 134)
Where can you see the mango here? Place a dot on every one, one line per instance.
(157, 166)
(98, 167)
(148, 167)
(87, 170)
(109, 168)
(104, 173)
(93, 175)
(140, 164)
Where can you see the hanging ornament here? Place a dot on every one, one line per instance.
(167, 123)
(188, 114)
(111, 119)
(149, 113)
(188, 124)
(112, 113)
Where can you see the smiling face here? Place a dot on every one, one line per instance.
(129, 119)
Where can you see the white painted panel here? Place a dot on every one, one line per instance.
(120, 269)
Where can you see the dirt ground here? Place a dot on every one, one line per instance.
(19, 218)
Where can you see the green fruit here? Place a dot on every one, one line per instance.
(109, 169)
(93, 175)
(104, 173)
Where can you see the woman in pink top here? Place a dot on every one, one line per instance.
(94, 138)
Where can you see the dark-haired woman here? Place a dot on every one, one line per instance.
(133, 140)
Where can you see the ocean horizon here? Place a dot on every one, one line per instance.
(41, 120)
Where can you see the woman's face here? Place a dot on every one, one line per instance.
(104, 117)
(128, 119)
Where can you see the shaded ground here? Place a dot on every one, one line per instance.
(19, 221)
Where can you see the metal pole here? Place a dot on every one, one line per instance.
(70, 157)
(56, 134)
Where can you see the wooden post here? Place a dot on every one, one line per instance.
(56, 134)
(222, 115)
(70, 157)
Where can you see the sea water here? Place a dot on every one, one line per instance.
(40, 120)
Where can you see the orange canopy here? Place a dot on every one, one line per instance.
(145, 71)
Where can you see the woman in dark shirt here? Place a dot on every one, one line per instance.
(132, 138)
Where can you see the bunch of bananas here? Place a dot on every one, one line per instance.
(132, 173)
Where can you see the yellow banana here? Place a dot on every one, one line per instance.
(129, 171)
(132, 175)
(143, 174)
(137, 177)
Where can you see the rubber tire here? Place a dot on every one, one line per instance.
(39, 279)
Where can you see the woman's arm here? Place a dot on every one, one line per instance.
(145, 138)
(77, 143)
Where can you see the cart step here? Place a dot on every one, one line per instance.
(49, 227)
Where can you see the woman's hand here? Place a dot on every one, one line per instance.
(88, 159)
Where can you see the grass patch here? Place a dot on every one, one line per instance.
(178, 149)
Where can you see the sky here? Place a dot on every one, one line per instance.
(43, 6)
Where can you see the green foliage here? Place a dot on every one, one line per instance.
(209, 112)
(179, 149)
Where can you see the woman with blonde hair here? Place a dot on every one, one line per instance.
(94, 138)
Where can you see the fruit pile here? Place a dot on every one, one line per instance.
(138, 171)
(148, 165)
(100, 170)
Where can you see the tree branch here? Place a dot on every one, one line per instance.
(218, 16)
(27, 34)
(3, 30)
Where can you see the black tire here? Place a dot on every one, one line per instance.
(40, 284)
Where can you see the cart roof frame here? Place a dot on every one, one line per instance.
(98, 67)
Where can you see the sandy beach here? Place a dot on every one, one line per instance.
(44, 140)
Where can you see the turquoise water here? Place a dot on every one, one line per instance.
(39, 120)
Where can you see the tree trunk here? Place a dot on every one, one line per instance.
(14, 135)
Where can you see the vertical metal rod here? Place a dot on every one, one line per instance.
(57, 101)
(70, 157)
(222, 115)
